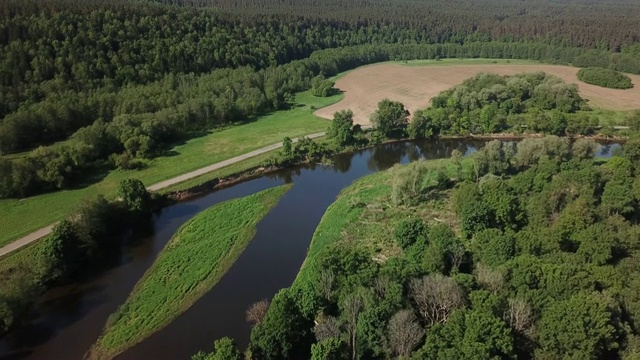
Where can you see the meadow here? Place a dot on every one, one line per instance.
(190, 265)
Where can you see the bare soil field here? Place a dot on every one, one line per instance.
(414, 86)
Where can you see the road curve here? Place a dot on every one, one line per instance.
(28, 239)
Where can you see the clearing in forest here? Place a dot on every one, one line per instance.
(414, 86)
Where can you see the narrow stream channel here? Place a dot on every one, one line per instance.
(71, 318)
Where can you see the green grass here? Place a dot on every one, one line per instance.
(21, 217)
(191, 263)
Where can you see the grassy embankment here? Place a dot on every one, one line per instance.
(21, 217)
(364, 216)
(191, 263)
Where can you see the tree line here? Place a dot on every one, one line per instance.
(539, 260)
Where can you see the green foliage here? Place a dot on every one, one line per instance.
(605, 77)
(341, 129)
(321, 86)
(631, 150)
(224, 349)
(474, 334)
(283, 332)
(489, 103)
(329, 349)
(577, 328)
(426, 123)
(492, 247)
(475, 216)
(134, 195)
(617, 198)
(212, 240)
(390, 118)
(409, 231)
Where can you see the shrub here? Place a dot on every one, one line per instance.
(409, 231)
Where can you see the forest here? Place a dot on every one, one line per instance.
(524, 250)
(81, 91)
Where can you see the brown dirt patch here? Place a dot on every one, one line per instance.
(414, 86)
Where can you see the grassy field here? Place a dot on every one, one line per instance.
(193, 261)
(21, 217)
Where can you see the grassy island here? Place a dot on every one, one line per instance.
(192, 262)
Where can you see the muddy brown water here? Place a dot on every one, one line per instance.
(71, 318)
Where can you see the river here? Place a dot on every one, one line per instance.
(72, 317)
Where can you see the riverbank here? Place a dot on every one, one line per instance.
(191, 263)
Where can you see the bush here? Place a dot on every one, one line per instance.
(409, 231)
(605, 77)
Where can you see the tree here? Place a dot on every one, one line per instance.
(492, 247)
(390, 118)
(409, 231)
(224, 349)
(329, 349)
(134, 195)
(326, 327)
(617, 198)
(475, 216)
(62, 251)
(584, 149)
(424, 124)
(476, 334)
(257, 312)
(352, 305)
(437, 297)
(283, 331)
(321, 86)
(579, 328)
(287, 148)
(404, 333)
(341, 129)
(631, 150)
(519, 315)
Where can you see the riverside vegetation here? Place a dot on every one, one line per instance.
(192, 262)
(523, 250)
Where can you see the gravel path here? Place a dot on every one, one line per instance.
(28, 239)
